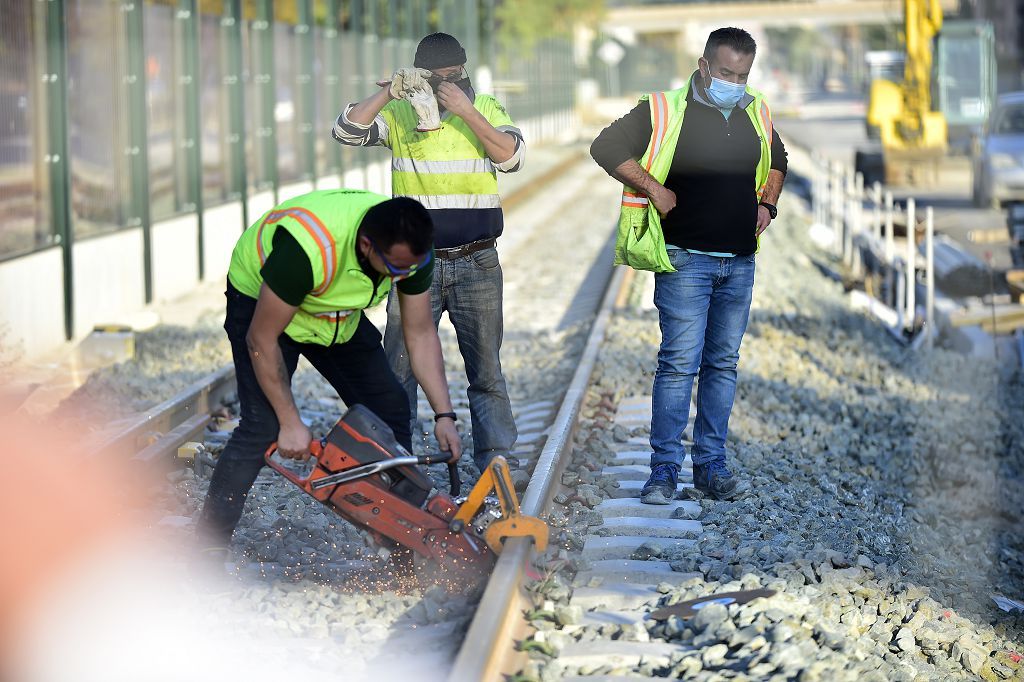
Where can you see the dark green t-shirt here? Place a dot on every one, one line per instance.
(289, 274)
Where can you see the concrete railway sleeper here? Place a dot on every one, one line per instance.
(886, 488)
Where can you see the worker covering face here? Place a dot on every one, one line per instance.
(439, 60)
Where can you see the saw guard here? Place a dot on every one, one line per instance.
(496, 478)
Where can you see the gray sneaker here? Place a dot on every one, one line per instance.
(715, 480)
(661, 486)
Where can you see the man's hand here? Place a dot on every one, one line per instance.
(763, 219)
(663, 199)
(452, 98)
(293, 441)
(448, 437)
(406, 81)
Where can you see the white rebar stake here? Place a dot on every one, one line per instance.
(901, 288)
(823, 182)
(929, 275)
(848, 217)
(876, 196)
(837, 207)
(890, 249)
(911, 264)
(858, 222)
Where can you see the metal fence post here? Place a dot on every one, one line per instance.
(263, 77)
(911, 265)
(306, 97)
(332, 83)
(56, 154)
(231, 26)
(138, 139)
(929, 275)
(187, 20)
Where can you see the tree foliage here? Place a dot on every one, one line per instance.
(521, 23)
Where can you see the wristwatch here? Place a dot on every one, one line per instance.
(772, 211)
(449, 415)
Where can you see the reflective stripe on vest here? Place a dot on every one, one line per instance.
(766, 121)
(435, 201)
(439, 167)
(320, 234)
(447, 168)
(659, 114)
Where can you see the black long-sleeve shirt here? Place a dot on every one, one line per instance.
(712, 173)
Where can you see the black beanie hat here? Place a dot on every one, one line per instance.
(437, 51)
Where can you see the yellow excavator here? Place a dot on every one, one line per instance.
(913, 136)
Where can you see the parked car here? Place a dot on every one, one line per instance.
(998, 154)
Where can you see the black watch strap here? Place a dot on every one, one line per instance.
(441, 415)
(772, 211)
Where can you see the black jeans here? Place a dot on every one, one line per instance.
(357, 369)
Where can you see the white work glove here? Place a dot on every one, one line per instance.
(411, 84)
(408, 79)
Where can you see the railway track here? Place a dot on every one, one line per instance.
(851, 571)
(545, 418)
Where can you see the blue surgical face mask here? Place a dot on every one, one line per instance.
(724, 94)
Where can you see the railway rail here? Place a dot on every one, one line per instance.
(848, 548)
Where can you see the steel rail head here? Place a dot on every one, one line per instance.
(165, 417)
(488, 640)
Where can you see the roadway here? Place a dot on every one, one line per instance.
(834, 128)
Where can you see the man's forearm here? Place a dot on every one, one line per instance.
(631, 173)
(272, 376)
(499, 146)
(364, 112)
(773, 187)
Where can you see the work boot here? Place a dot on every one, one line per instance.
(661, 486)
(715, 480)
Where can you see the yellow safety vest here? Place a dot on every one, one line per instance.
(445, 168)
(640, 242)
(325, 223)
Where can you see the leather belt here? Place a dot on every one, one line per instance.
(465, 249)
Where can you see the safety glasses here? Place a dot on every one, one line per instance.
(436, 80)
(394, 270)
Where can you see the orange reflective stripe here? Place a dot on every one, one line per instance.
(659, 109)
(259, 244)
(766, 119)
(316, 229)
(659, 127)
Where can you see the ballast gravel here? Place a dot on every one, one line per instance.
(885, 507)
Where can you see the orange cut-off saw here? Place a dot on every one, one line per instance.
(365, 476)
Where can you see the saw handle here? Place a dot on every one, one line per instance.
(316, 448)
(454, 483)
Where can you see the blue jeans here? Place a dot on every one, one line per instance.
(703, 309)
(470, 290)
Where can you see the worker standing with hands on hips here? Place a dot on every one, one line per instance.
(298, 282)
(447, 143)
(702, 168)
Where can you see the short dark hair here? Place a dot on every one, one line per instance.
(736, 38)
(399, 221)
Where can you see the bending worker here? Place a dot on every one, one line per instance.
(710, 171)
(298, 282)
(451, 171)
